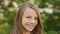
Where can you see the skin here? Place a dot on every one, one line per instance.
(29, 20)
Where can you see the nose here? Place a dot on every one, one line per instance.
(32, 21)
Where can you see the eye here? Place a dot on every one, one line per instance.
(28, 17)
(36, 18)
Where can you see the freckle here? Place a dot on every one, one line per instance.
(26, 24)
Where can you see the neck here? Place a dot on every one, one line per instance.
(26, 32)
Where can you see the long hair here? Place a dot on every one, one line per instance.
(17, 28)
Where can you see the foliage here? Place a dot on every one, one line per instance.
(8, 10)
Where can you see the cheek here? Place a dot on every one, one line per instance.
(36, 23)
(24, 21)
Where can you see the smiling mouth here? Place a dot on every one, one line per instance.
(30, 26)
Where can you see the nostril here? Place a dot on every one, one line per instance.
(32, 23)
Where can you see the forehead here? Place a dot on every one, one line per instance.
(30, 11)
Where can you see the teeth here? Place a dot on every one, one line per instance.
(31, 26)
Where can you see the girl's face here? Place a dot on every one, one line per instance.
(29, 19)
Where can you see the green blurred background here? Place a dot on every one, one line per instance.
(49, 9)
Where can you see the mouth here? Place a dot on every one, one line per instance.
(30, 26)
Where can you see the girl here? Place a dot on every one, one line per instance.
(28, 20)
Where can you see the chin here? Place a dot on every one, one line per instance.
(30, 30)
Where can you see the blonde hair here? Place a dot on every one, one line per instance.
(17, 29)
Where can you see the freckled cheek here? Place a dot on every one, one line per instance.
(26, 20)
(29, 20)
(36, 23)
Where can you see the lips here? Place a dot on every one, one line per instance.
(31, 26)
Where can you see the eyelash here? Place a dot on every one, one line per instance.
(34, 18)
(27, 17)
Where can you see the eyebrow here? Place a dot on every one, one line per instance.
(30, 16)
